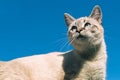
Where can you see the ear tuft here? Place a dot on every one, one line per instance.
(68, 19)
(97, 13)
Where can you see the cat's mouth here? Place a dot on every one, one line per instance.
(81, 36)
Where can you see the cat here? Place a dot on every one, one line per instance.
(87, 60)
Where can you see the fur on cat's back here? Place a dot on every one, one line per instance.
(87, 61)
(37, 67)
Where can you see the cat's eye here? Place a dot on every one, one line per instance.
(74, 28)
(87, 24)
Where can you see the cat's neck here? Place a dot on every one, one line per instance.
(92, 53)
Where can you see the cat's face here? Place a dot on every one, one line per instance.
(85, 31)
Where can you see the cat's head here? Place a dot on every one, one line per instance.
(85, 31)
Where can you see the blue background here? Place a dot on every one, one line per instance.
(29, 27)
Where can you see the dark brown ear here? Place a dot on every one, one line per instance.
(68, 19)
(97, 13)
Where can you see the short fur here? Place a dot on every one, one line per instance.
(87, 61)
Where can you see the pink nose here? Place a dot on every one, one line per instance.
(80, 30)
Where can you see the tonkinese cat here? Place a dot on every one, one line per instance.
(87, 61)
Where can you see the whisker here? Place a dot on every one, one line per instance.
(64, 46)
(71, 41)
(58, 43)
(67, 43)
(62, 39)
(61, 44)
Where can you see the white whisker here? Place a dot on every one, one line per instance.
(71, 41)
(67, 43)
(62, 39)
(64, 46)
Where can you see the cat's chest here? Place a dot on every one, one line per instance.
(91, 69)
(84, 71)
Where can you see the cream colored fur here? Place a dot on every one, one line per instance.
(87, 61)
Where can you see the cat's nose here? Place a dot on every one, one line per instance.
(81, 29)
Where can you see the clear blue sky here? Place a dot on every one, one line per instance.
(29, 27)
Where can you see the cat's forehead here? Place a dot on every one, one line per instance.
(86, 19)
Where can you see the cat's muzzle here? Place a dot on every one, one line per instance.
(81, 36)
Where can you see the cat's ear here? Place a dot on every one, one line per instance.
(68, 19)
(97, 13)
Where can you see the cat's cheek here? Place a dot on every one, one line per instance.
(70, 31)
(92, 31)
(70, 34)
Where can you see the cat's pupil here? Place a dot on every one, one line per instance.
(74, 28)
(87, 24)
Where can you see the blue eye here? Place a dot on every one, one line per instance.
(87, 24)
(74, 28)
